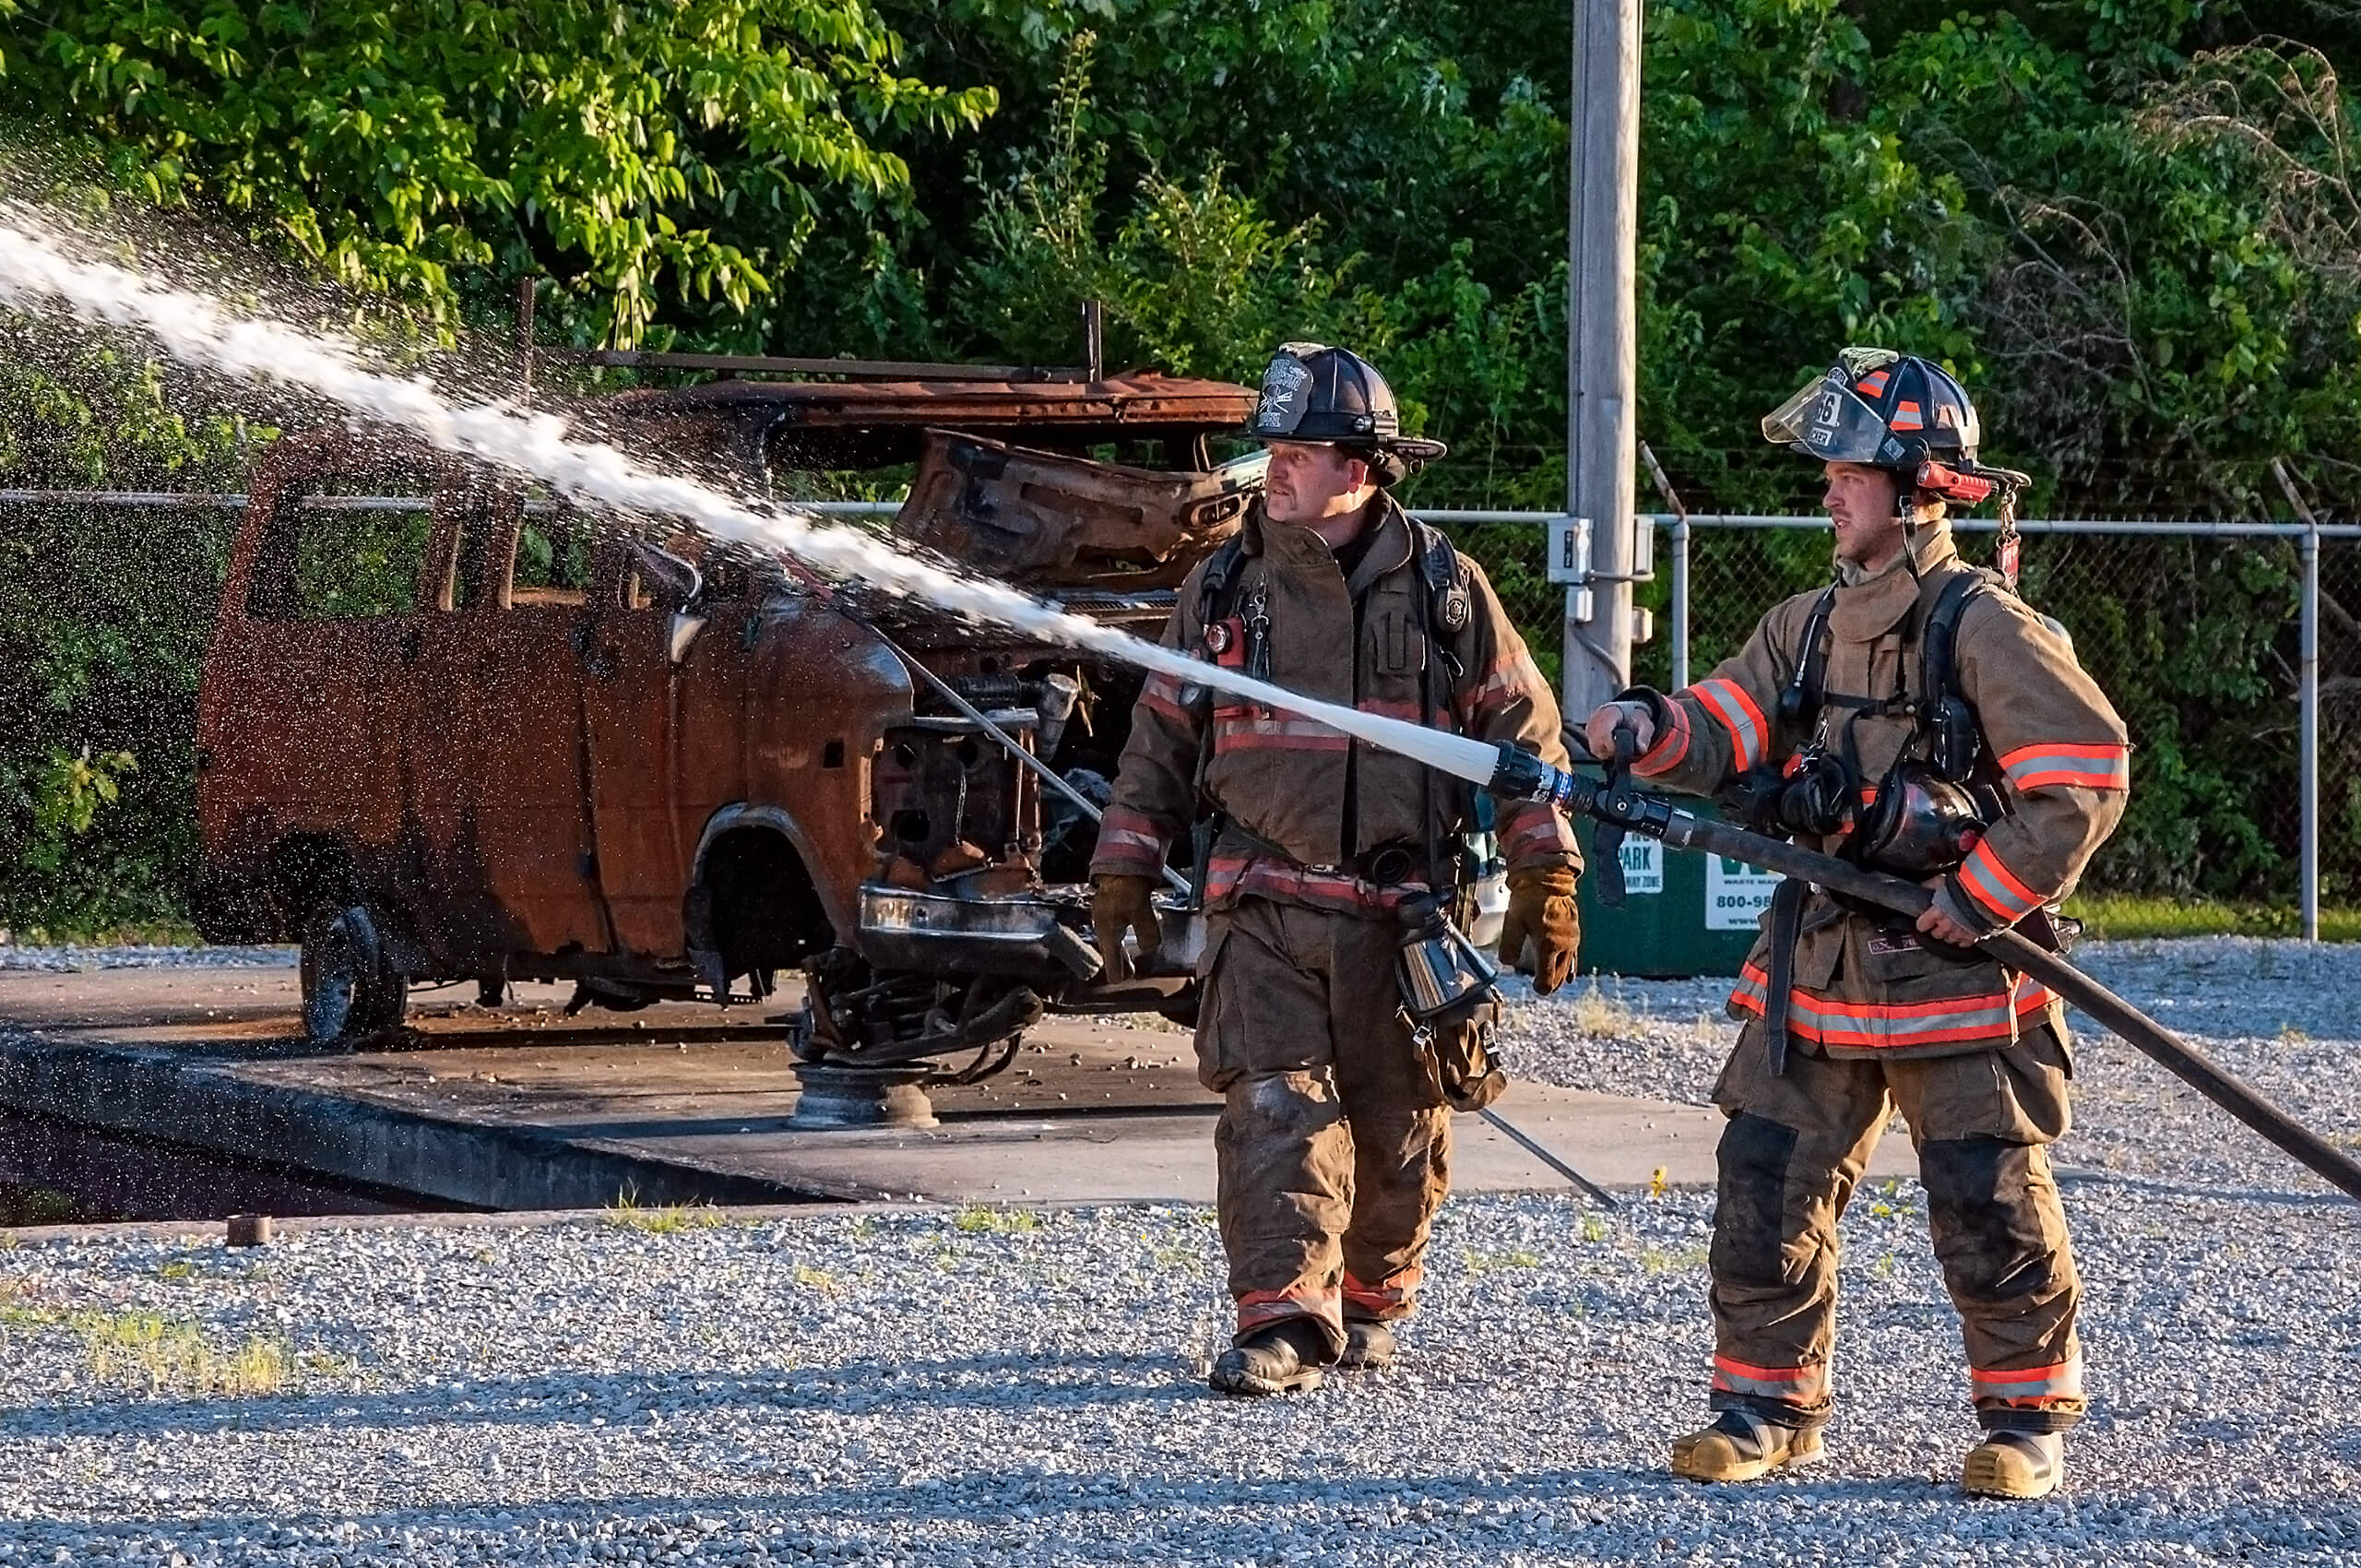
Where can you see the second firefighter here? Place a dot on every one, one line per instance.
(1333, 1143)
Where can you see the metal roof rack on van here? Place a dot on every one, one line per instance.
(731, 366)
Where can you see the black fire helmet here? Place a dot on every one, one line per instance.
(1874, 406)
(1335, 398)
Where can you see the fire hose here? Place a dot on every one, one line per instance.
(1521, 776)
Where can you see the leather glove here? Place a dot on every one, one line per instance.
(1541, 908)
(1598, 730)
(1118, 904)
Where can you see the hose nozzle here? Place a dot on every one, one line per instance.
(1521, 776)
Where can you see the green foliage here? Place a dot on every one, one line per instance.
(432, 149)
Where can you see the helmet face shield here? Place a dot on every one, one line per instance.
(1828, 421)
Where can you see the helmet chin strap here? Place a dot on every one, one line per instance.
(1906, 506)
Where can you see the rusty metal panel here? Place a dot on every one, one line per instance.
(1044, 517)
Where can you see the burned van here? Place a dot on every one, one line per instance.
(482, 736)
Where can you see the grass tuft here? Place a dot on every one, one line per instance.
(1490, 1263)
(1595, 1013)
(1656, 1260)
(166, 1355)
(662, 1220)
(984, 1219)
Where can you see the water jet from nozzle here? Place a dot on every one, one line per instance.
(37, 273)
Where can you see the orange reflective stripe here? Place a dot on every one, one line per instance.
(1126, 835)
(1665, 753)
(1512, 675)
(1991, 885)
(2062, 1371)
(2086, 767)
(2028, 1388)
(1389, 1295)
(1804, 1386)
(1727, 701)
(1259, 1308)
(1535, 829)
(1888, 1026)
(1247, 728)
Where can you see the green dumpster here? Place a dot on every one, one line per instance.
(1683, 913)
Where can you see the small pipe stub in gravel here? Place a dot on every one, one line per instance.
(249, 1230)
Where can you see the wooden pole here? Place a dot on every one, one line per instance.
(1602, 342)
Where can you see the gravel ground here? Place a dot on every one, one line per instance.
(985, 1386)
(69, 958)
(945, 1388)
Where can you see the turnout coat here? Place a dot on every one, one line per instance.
(1306, 805)
(1870, 987)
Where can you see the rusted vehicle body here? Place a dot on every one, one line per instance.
(498, 740)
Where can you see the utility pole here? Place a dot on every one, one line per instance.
(1602, 234)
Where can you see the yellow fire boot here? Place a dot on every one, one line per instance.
(2019, 1465)
(1741, 1446)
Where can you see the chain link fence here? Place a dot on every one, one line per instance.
(2198, 630)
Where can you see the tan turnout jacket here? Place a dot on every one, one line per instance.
(1303, 800)
(2063, 768)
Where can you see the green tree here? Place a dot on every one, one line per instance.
(637, 152)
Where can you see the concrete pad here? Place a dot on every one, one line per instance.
(521, 1107)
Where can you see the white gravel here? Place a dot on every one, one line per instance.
(68, 958)
(925, 1387)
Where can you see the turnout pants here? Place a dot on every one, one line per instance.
(1334, 1138)
(1794, 1147)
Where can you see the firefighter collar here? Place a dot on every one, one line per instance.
(1290, 544)
(1868, 609)
(1389, 552)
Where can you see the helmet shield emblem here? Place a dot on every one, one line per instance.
(1287, 388)
(1827, 421)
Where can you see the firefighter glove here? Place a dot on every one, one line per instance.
(1119, 903)
(1541, 910)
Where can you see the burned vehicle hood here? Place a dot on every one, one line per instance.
(1047, 519)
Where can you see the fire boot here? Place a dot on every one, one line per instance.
(1282, 1359)
(1369, 1346)
(2020, 1465)
(1740, 1446)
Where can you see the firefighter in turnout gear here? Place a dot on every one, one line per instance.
(1919, 718)
(1334, 1140)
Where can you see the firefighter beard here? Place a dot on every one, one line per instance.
(1333, 1146)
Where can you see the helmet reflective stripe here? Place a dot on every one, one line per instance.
(1875, 406)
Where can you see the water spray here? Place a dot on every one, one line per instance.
(38, 273)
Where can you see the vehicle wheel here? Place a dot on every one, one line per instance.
(349, 990)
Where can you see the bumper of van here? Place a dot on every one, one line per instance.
(1041, 937)
(935, 932)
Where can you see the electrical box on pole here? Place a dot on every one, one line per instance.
(1602, 332)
